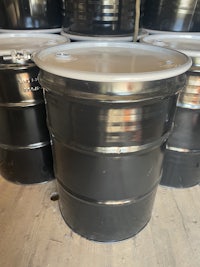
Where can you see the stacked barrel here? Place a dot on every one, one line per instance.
(25, 147)
(109, 117)
(176, 24)
(101, 20)
(108, 112)
(25, 144)
(172, 16)
(182, 157)
(31, 15)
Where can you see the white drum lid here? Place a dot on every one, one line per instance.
(188, 44)
(28, 43)
(170, 32)
(55, 30)
(112, 62)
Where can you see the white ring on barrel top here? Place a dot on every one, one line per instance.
(188, 44)
(55, 30)
(153, 32)
(112, 62)
(21, 42)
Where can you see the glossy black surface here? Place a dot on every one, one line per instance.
(186, 131)
(181, 169)
(88, 125)
(19, 84)
(31, 14)
(102, 177)
(105, 222)
(167, 15)
(99, 18)
(23, 126)
(25, 150)
(108, 145)
(26, 166)
(182, 159)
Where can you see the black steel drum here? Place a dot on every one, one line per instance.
(183, 174)
(109, 114)
(167, 15)
(99, 18)
(25, 148)
(182, 157)
(31, 14)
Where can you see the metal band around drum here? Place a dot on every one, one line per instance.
(182, 150)
(22, 104)
(128, 201)
(31, 146)
(114, 149)
(188, 105)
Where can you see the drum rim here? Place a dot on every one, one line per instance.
(67, 72)
(164, 37)
(30, 48)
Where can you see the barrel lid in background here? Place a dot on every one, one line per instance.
(104, 38)
(170, 32)
(54, 30)
(112, 62)
(26, 44)
(188, 44)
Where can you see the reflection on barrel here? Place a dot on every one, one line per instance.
(190, 97)
(107, 17)
(31, 14)
(25, 149)
(108, 150)
(165, 15)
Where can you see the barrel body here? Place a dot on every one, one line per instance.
(181, 161)
(108, 151)
(25, 149)
(181, 169)
(166, 15)
(31, 14)
(182, 158)
(97, 18)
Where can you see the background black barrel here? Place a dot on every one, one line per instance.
(109, 131)
(25, 148)
(31, 14)
(181, 166)
(109, 17)
(167, 15)
(182, 158)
